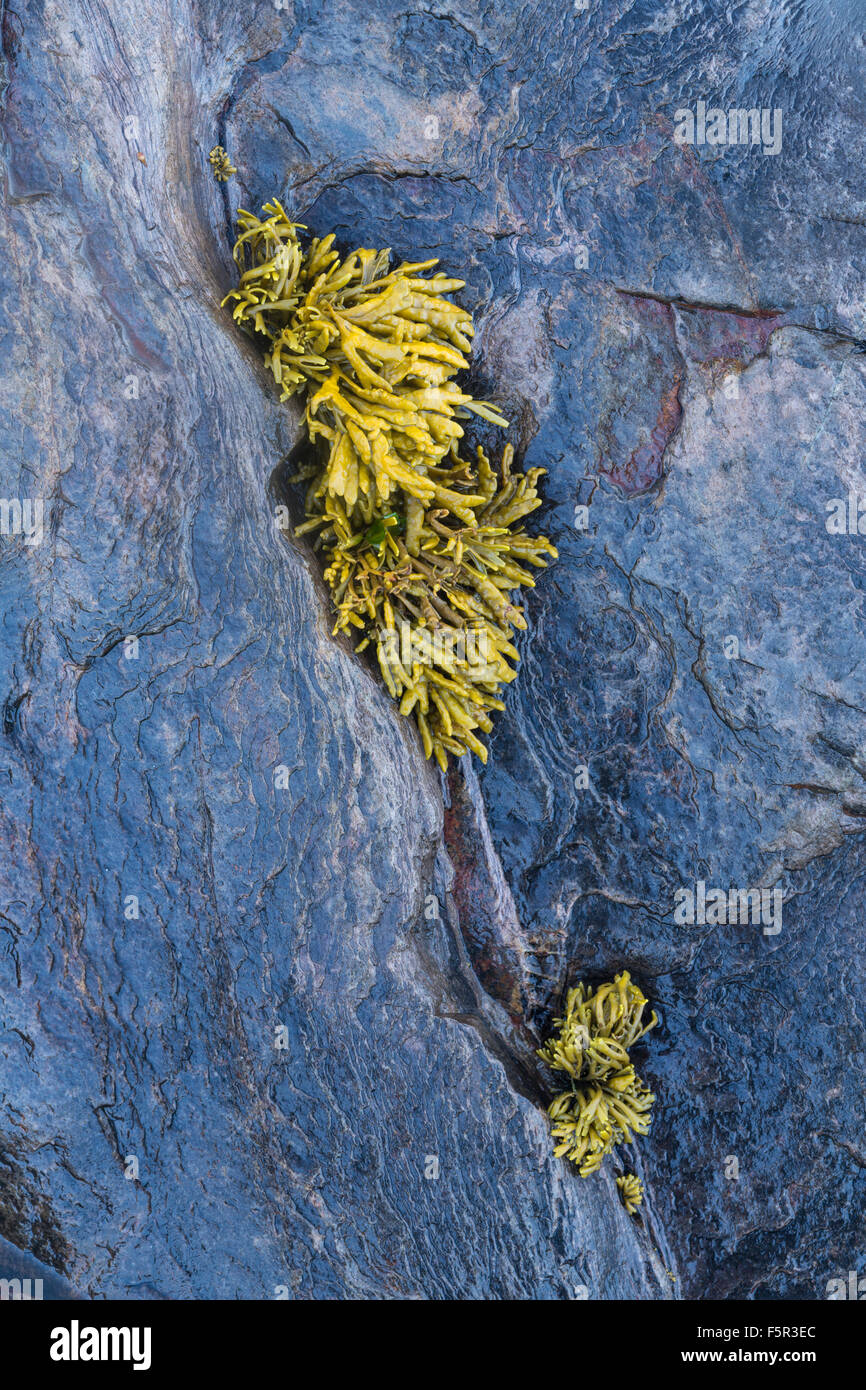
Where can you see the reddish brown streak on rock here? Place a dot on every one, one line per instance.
(718, 335)
(645, 466)
(705, 336)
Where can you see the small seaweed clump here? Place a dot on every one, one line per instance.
(422, 547)
(631, 1192)
(221, 164)
(606, 1103)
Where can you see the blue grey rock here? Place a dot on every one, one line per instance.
(23, 1278)
(244, 1051)
(340, 967)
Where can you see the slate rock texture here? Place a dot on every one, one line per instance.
(263, 972)
(244, 1051)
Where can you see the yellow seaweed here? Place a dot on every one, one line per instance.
(221, 164)
(631, 1192)
(606, 1103)
(422, 548)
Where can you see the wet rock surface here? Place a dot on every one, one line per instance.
(261, 971)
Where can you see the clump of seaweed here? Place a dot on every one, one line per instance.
(430, 588)
(422, 547)
(221, 164)
(630, 1191)
(377, 350)
(606, 1103)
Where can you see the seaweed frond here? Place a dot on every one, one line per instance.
(422, 548)
(606, 1102)
(221, 164)
(630, 1191)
